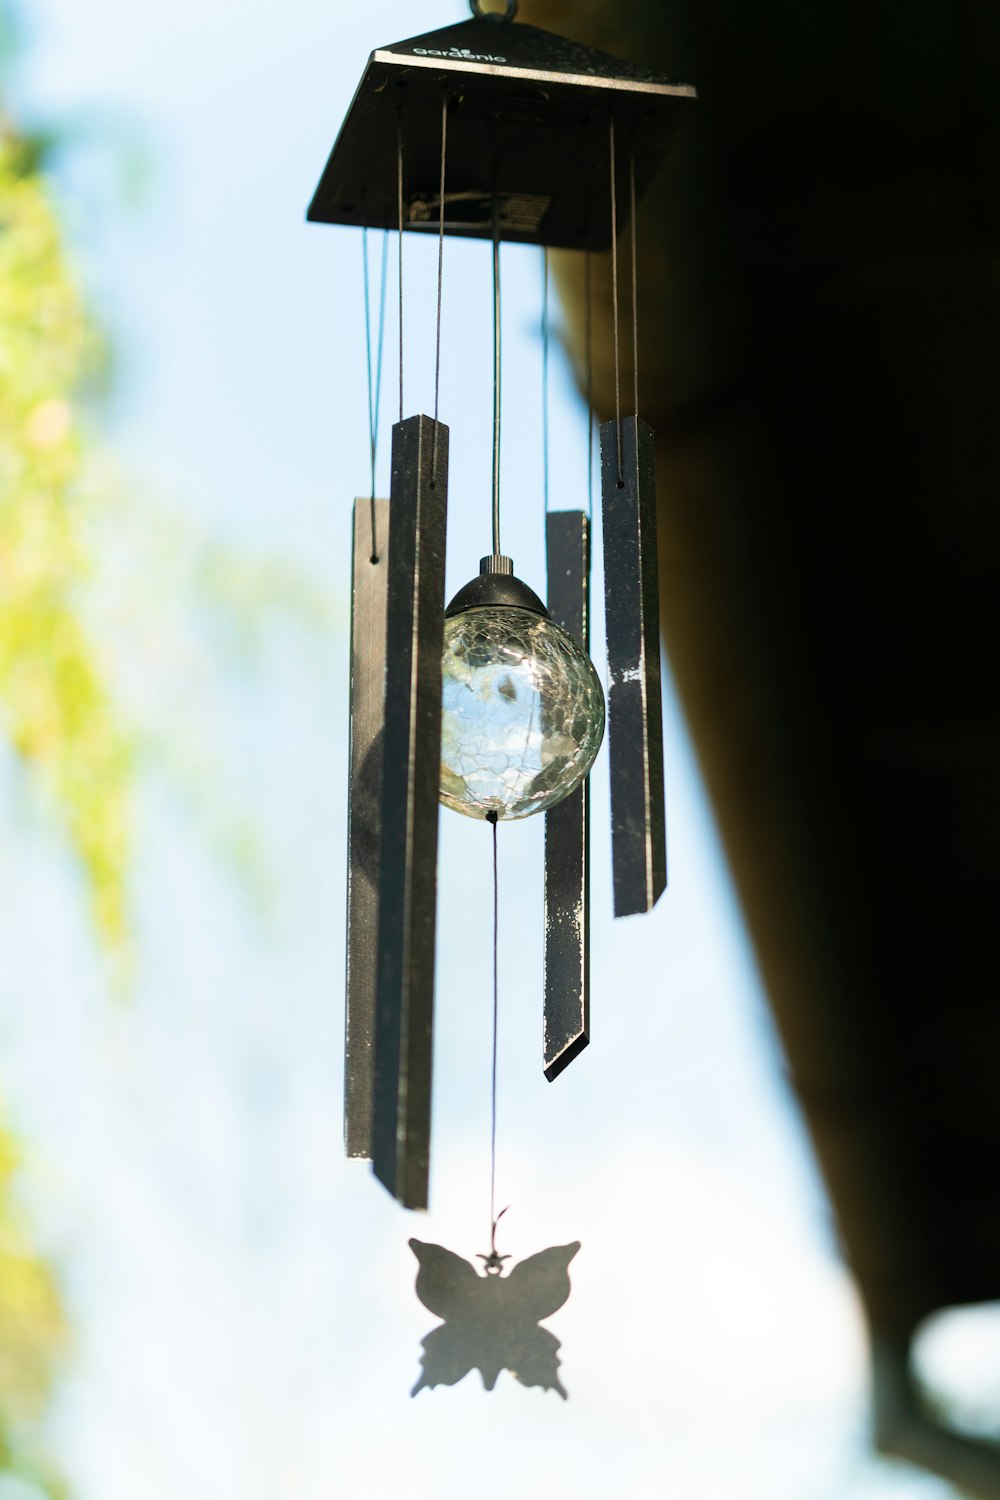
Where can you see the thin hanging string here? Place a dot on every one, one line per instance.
(492, 818)
(545, 377)
(399, 227)
(374, 387)
(440, 285)
(589, 342)
(633, 237)
(496, 376)
(614, 299)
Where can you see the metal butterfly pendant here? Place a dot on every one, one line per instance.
(492, 1319)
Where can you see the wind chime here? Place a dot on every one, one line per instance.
(491, 705)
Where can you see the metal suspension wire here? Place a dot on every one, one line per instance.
(374, 386)
(399, 228)
(440, 279)
(589, 343)
(633, 238)
(492, 818)
(496, 376)
(614, 299)
(545, 378)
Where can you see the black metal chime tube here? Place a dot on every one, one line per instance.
(410, 781)
(566, 1006)
(632, 613)
(369, 601)
(632, 623)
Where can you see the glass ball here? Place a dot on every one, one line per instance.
(522, 713)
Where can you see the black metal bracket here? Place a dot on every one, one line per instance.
(527, 124)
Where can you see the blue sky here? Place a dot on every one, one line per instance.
(244, 1297)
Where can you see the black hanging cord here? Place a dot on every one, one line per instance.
(614, 299)
(496, 375)
(374, 387)
(589, 342)
(492, 818)
(545, 376)
(399, 226)
(440, 284)
(633, 236)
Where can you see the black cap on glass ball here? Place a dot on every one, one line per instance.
(496, 586)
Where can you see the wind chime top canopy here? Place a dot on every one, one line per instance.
(528, 117)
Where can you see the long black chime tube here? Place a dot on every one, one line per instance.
(364, 815)
(632, 623)
(566, 1005)
(404, 1017)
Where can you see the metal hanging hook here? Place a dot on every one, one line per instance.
(507, 14)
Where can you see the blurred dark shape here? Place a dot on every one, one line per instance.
(820, 357)
(493, 1319)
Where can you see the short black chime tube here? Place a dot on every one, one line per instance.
(632, 624)
(409, 834)
(566, 1004)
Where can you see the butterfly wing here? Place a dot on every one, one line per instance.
(450, 1287)
(447, 1357)
(539, 1285)
(533, 1361)
(446, 1284)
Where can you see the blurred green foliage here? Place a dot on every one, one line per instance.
(32, 1337)
(55, 702)
(54, 706)
(106, 604)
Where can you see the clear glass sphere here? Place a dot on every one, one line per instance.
(522, 713)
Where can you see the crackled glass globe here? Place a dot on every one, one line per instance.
(523, 713)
